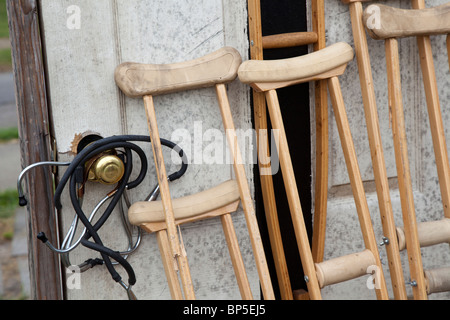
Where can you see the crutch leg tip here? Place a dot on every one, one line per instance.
(22, 201)
(41, 236)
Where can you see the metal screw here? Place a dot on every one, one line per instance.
(306, 279)
(252, 43)
(412, 283)
(385, 241)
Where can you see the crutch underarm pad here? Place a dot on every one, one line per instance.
(186, 207)
(302, 67)
(383, 22)
(138, 79)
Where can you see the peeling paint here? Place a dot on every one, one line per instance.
(76, 140)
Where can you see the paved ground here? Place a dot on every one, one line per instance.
(10, 151)
(10, 164)
(7, 90)
(4, 43)
(8, 112)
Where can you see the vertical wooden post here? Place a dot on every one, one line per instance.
(35, 144)
(260, 115)
(321, 107)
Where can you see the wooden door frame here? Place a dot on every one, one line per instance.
(290, 95)
(36, 144)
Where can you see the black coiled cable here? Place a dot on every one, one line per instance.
(70, 176)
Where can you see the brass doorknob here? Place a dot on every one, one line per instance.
(108, 169)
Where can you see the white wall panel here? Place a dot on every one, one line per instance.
(84, 97)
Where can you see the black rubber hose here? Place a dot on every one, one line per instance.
(116, 256)
(115, 139)
(90, 231)
(105, 252)
(184, 162)
(123, 184)
(90, 151)
(70, 175)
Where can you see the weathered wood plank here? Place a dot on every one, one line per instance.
(35, 143)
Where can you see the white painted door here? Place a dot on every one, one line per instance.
(85, 41)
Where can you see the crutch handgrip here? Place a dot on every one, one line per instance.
(185, 208)
(437, 280)
(345, 268)
(430, 233)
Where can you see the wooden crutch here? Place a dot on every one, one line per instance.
(325, 64)
(419, 23)
(174, 241)
(219, 201)
(377, 153)
(215, 69)
(257, 44)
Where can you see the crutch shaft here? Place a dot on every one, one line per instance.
(435, 117)
(377, 153)
(293, 197)
(166, 200)
(236, 257)
(268, 194)
(321, 109)
(169, 265)
(402, 164)
(247, 201)
(355, 178)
